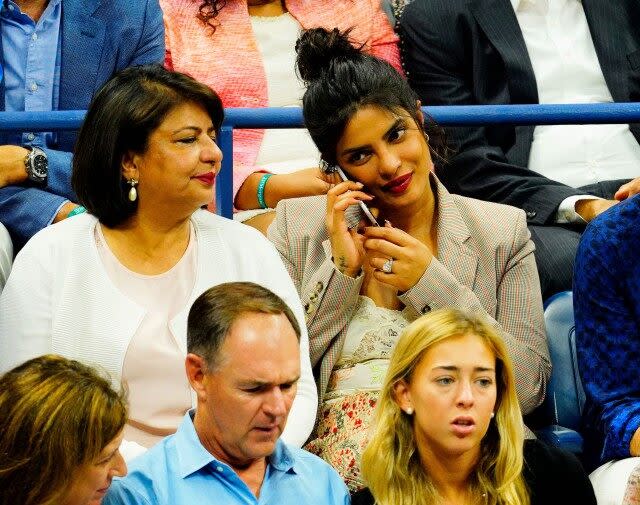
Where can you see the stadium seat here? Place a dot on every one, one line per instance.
(565, 397)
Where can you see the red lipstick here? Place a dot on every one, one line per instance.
(207, 178)
(399, 184)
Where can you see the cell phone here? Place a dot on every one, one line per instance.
(363, 207)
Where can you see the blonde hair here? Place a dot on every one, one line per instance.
(391, 465)
(57, 415)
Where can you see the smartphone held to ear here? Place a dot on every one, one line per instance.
(353, 219)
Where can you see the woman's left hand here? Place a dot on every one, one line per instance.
(410, 256)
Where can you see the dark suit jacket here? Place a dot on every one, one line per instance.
(473, 52)
(99, 37)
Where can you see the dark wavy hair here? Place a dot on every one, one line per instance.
(209, 10)
(120, 119)
(341, 78)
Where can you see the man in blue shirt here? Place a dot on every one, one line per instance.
(243, 363)
(54, 55)
(607, 311)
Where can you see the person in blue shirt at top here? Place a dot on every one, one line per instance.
(607, 315)
(54, 55)
(243, 364)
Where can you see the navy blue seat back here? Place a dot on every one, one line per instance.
(565, 396)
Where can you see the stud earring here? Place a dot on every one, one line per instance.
(493, 414)
(133, 192)
(409, 410)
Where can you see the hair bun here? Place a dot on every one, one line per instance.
(317, 49)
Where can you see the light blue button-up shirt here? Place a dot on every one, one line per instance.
(180, 471)
(31, 56)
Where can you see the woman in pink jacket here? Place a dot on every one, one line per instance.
(244, 49)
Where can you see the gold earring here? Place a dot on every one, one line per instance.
(133, 192)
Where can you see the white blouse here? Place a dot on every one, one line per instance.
(153, 369)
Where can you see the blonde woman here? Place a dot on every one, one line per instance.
(60, 431)
(449, 428)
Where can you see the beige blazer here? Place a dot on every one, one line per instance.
(485, 263)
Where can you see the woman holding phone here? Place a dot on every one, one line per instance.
(360, 285)
(244, 49)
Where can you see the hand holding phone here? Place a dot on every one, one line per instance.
(344, 223)
(361, 204)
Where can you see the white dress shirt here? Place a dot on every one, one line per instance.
(567, 70)
(283, 150)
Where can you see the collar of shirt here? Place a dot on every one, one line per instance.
(517, 3)
(11, 10)
(192, 456)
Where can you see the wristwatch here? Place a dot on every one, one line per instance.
(37, 165)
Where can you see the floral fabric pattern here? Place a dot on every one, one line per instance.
(346, 413)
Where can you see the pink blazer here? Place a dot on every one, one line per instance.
(230, 63)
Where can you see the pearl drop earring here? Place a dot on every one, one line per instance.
(409, 410)
(133, 193)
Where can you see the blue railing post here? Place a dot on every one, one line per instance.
(224, 180)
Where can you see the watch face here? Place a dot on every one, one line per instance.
(39, 166)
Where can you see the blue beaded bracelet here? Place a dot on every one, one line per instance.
(261, 185)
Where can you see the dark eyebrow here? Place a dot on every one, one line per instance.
(399, 121)
(452, 368)
(395, 125)
(193, 128)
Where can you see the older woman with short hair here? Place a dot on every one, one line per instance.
(114, 286)
(60, 430)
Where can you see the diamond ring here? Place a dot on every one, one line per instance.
(388, 266)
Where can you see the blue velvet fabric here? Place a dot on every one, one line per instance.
(607, 312)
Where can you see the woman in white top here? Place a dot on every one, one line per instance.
(114, 286)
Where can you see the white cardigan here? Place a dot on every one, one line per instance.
(59, 299)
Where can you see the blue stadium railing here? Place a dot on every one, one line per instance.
(461, 115)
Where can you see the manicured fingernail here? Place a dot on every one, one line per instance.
(387, 223)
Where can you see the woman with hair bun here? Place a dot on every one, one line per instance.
(361, 284)
(244, 49)
(60, 431)
(448, 428)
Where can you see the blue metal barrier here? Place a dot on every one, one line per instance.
(291, 117)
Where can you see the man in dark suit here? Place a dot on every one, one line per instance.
(55, 55)
(473, 52)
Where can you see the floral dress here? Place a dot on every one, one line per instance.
(346, 412)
